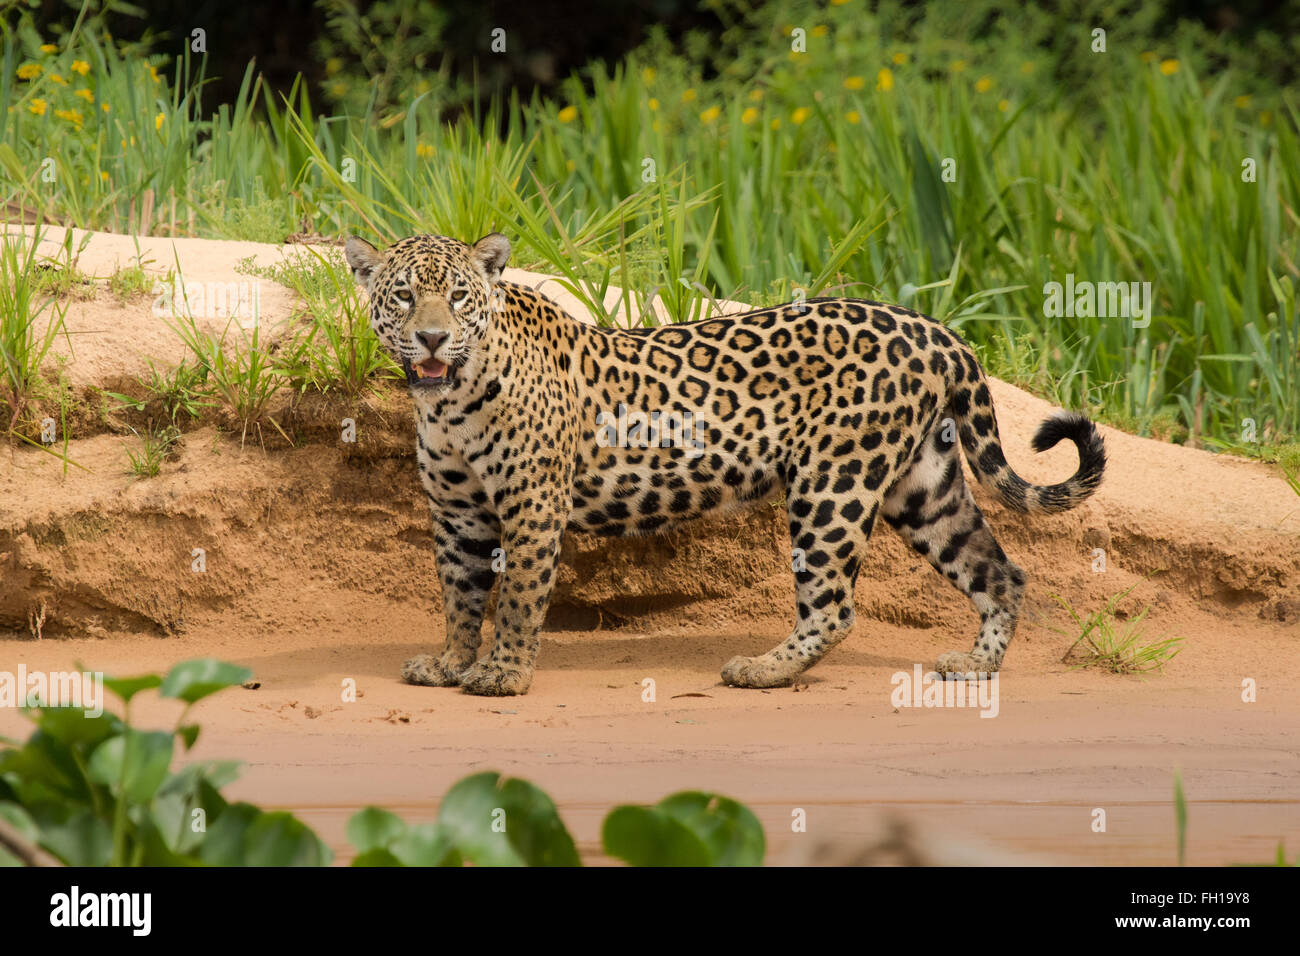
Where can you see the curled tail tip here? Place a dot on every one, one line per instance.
(1081, 431)
(1072, 425)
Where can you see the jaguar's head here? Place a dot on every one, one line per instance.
(431, 300)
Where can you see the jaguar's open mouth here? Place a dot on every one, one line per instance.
(428, 373)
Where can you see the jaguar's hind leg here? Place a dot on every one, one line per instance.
(829, 535)
(932, 508)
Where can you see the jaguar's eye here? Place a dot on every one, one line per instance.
(404, 296)
(458, 296)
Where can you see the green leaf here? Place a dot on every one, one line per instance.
(137, 759)
(729, 829)
(376, 857)
(373, 828)
(188, 734)
(243, 835)
(20, 820)
(496, 822)
(281, 839)
(224, 843)
(128, 687)
(72, 725)
(191, 681)
(647, 836)
(425, 844)
(82, 840)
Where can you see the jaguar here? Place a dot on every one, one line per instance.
(532, 423)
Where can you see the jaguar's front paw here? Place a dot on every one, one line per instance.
(429, 671)
(487, 679)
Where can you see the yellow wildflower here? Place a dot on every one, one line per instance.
(1004, 105)
(58, 79)
(158, 121)
(756, 95)
(37, 106)
(648, 75)
(80, 66)
(654, 105)
(885, 80)
(1242, 102)
(983, 84)
(568, 114)
(711, 114)
(688, 95)
(799, 115)
(1168, 67)
(749, 115)
(819, 31)
(29, 71)
(853, 117)
(899, 59)
(854, 83)
(49, 48)
(423, 150)
(958, 66)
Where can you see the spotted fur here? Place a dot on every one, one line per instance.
(854, 410)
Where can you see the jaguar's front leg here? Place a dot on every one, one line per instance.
(534, 520)
(464, 542)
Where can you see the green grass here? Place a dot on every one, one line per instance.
(1180, 827)
(331, 346)
(1180, 817)
(155, 447)
(239, 367)
(738, 169)
(130, 282)
(1121, 648)
(180, 393)
(1289, 463)
(31, 320)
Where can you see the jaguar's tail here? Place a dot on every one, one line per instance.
(978, 429)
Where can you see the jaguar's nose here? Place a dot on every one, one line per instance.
(431, 340)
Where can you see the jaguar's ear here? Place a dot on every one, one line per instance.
(491, 253)
(364, 260)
